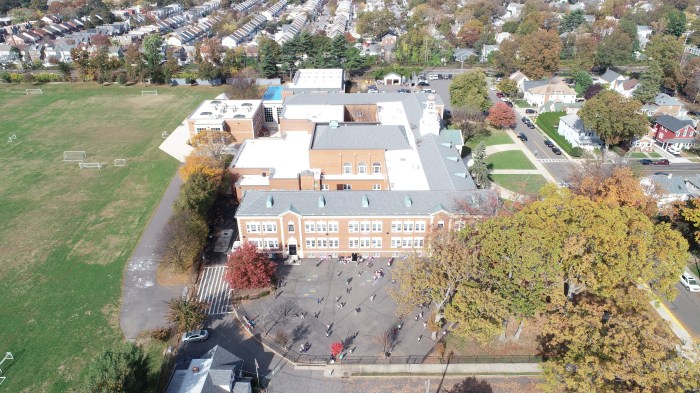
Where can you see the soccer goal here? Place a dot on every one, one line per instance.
(33, 91)
(119, 162)
(164, 134)
(149, 92)
(12, 138)
(74, 156)
(90, 165)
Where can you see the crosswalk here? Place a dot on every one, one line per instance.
(552, 160)
(213, 289)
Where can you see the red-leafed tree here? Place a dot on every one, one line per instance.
(501, 115)
(249, 269)
(336, 348)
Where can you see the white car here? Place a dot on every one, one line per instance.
(690, 283)
(195, 335)
(492, 88)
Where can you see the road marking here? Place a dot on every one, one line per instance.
(552, 160)
(214, 290)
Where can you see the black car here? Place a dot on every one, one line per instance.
(645, 161)
(522, 137)
(661, 173)
(556, 151)
(510, 104)
(449, 76)
(548, 143)
(440, 76)
(530, 126)
(423, 83)
(530, 111)
(525, 120)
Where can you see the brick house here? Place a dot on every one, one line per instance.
(674, 134)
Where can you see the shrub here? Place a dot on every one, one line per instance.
(160, 334)
(16, 78)
(5, 77)
(576, 152)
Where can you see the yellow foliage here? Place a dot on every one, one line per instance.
(208, 166)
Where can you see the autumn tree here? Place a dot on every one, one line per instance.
(470, 120)
(613, 117)
(593, 91)
(667, 51)
(501, 116)
(506, 60)
(184, 238)
(584, 52)
(691, 72)
(205, 164)
(197, 194)
(470, 32)
(691, 214)
(469, 89)
(243, 86)
(134, 63)
(336, 348)
(212, 143)
(374, 24)
(186, 314)
(249, 269)
(122, 369)
(508, 87)
(539, 54)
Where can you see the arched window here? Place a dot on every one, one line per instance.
(347, 168)
(376, 168)
(362, 168)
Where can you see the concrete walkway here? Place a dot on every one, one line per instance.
(520, 146)
(516, 172)
(531, 157)
(337, 370)
(143, 299)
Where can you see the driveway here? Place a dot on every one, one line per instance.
(143, 299)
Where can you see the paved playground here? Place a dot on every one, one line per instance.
(346, 297)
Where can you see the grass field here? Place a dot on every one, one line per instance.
(522, 184)
(511, 159)
(67, 233)
(548, 122)
(495, 137)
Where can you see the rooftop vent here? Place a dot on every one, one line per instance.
(269, 202)
(463, 175)
(365, 201)
(407, 201)
(333, 124)
(447, 144)
(239, 117)
(453, 158)
(321, 201)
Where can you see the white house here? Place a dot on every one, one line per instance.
(486, 51)
(392, 79)
(536, 93)
(625, 87)
(519, 79)
(572, 129)
(668, 188)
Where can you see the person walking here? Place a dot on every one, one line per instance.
(420, 337)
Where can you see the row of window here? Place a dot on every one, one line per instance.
(364, 242)
(265, 227)
(332, 226)
(265, 243)
(361, 168)
(375, 187)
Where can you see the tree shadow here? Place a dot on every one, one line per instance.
(471, 385)
(300, 332)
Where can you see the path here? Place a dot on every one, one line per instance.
(143, 299)
(518, 145)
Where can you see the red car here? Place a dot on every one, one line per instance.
(500, 95)
(662, 162)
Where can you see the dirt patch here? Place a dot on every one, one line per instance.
(169, 277)
(527, 344)
(99, 251)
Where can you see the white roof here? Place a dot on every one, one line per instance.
(226, 109)
(286, 157)
(331, 78)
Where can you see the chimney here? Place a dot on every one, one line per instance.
(321, 201)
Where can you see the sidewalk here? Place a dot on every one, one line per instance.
(346, 370)
(543, 170)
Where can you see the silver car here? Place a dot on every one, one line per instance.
(689, 282)
(195, 335)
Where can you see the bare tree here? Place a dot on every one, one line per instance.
(212, 143)
(242, 86)
(386, 339)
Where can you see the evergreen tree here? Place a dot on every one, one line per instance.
(649, 83)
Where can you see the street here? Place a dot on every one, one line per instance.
(686, 308)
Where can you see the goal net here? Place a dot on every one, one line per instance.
(74, 156)
(12, 138)
(149, 92)
(119, 162)
(90, 165)
(33, 91)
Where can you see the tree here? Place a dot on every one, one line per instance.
(471, 385)
(614, 344)
(186, 314)
(506, 61)
(100, 40)
(207, 70)
(206, 164)
(585, 52)
(572, 21)
(171, 66)
(508, 86)
(374, 24)
(676, 22)
(470, 32)
(120, 370)
(501, 116)
(183, 239)
(152, 45)
(269, 57)
(336, 348)
(593, 91)
(649, 83)
(212, 143)
(583, 81)
(243, 87)
(667, 50)
(691, 214)
(469, 89)
(197, 194)
(134, 63)
(615, 48)
(479, 170)
(249, 269)
(613, 117)
(691, 71)
(65, 69)
(539, 54)
(416, 46)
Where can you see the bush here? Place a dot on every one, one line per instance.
(16, 78)
(45, 77)
(160, 334)
(576, 152)
(5, 77)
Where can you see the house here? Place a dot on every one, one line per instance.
(572, 129)
(643, 35)
(571, 108)
(519, 79)
(392, 78)
(463, 54)
(273, 11)
(217, 371)
(674, 134)
(625, 87)
(539, 92)
(513, 11)
(664, 104)
(609, 78)
(500, 37)
(668, 188)
(486, 51)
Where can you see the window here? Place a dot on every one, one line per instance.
(408, 226)
(418, 242)
(362, 168)
(407, 242)
(441, 224)
(376, 226)
(395, 242)
(364, 242)
(309, 227)
(258, 242)
(269, 227)
(353, 242)
(333, 226)
(376, 242)
(252, 227)
(290, 227)
(376, 168)
(271, 243)
(347, 186)
(322, 243)
(311, 243)
(420, 226)
(269, 118)
(324, 187)
(459, 225)
(364, 226)
(333, 243)
(396, 226)
(353, 226)
(347, 168)
(321, 227)
(279, 112)
(376, 187)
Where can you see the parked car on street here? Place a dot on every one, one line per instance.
(522, 137)
(195, 335)
(510, 104)
(556, 151)
(530, 126)
(662, 161)
(646, 161)
(689, 282)
(423, 83)
(530, 111)
(548, 143)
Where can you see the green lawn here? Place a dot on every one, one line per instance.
(522, 184)
(548, 122)
(637, 154)
(496, 137)
(654, 155)
(522, 104)
(512, 159)
(67, 233)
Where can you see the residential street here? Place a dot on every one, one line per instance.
(686, 307)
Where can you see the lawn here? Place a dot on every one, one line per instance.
(511, 159)
(654, 155)
(495, 137)
(67, 233)
(522, 184)
(548, 122)
(637, 154)
(522, 104)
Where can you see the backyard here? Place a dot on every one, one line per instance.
(67, 233)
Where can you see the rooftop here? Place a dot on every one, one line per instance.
(443, 166)
(673, 124)
(609, 75)
(285, 157)
(548, 87)
(349, 136)
(225, 109)
(214, 375)
(665, 99)
(318, 79)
